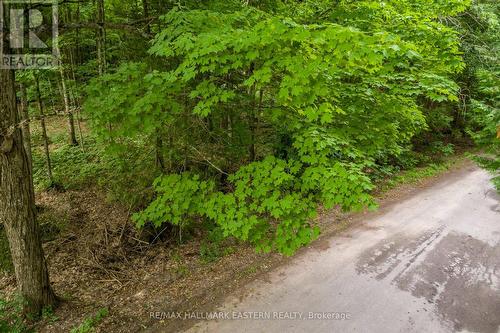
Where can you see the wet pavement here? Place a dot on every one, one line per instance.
(430, 263)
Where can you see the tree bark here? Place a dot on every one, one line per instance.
(17, 205)
(160, 161)
(25, 119)
(77, 47)
(145, 7)
(76, 102)
(69, 114)
(51, 92)
(101, 37)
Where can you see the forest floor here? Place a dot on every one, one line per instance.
(98, 261)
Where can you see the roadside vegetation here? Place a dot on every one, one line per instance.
(189, 140)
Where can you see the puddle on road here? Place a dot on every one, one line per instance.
(459, 274)
(396, 253)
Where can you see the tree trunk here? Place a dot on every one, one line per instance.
(76, 102)
(17, 205)
(101, 37)
(145, 7)
(51, 92)
(25, 119)
(77, 47)
(69, 114)
(160, 161)
(76, 106)
(44, 131)
(253, 123)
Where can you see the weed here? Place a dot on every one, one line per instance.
(182, 271)
(11, 316)
(415, 175)
(176, 257)
(48, 315)
(89, 324)
(213, 248)
(210, 252)
(229, 250)
(250, 270)
(439, 148)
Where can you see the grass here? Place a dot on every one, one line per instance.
(11, 315)
(90, 323)
(48, 315)
(415, 175)
(251, 270)
(125, 174)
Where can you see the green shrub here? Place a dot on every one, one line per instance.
(440, 149)
(180, 200)
(271, 204)
(210, 252)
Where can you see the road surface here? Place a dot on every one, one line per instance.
(428, 264)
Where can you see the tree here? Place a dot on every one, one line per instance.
(69, 113)
(25, 119)
(44, 130)
(17, 204)
(306, 109)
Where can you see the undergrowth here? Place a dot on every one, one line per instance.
(90, 323)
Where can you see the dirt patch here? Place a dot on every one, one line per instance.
(99, 260)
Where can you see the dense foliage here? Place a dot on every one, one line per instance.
(249, 115)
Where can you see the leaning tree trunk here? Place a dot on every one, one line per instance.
(17, 205)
